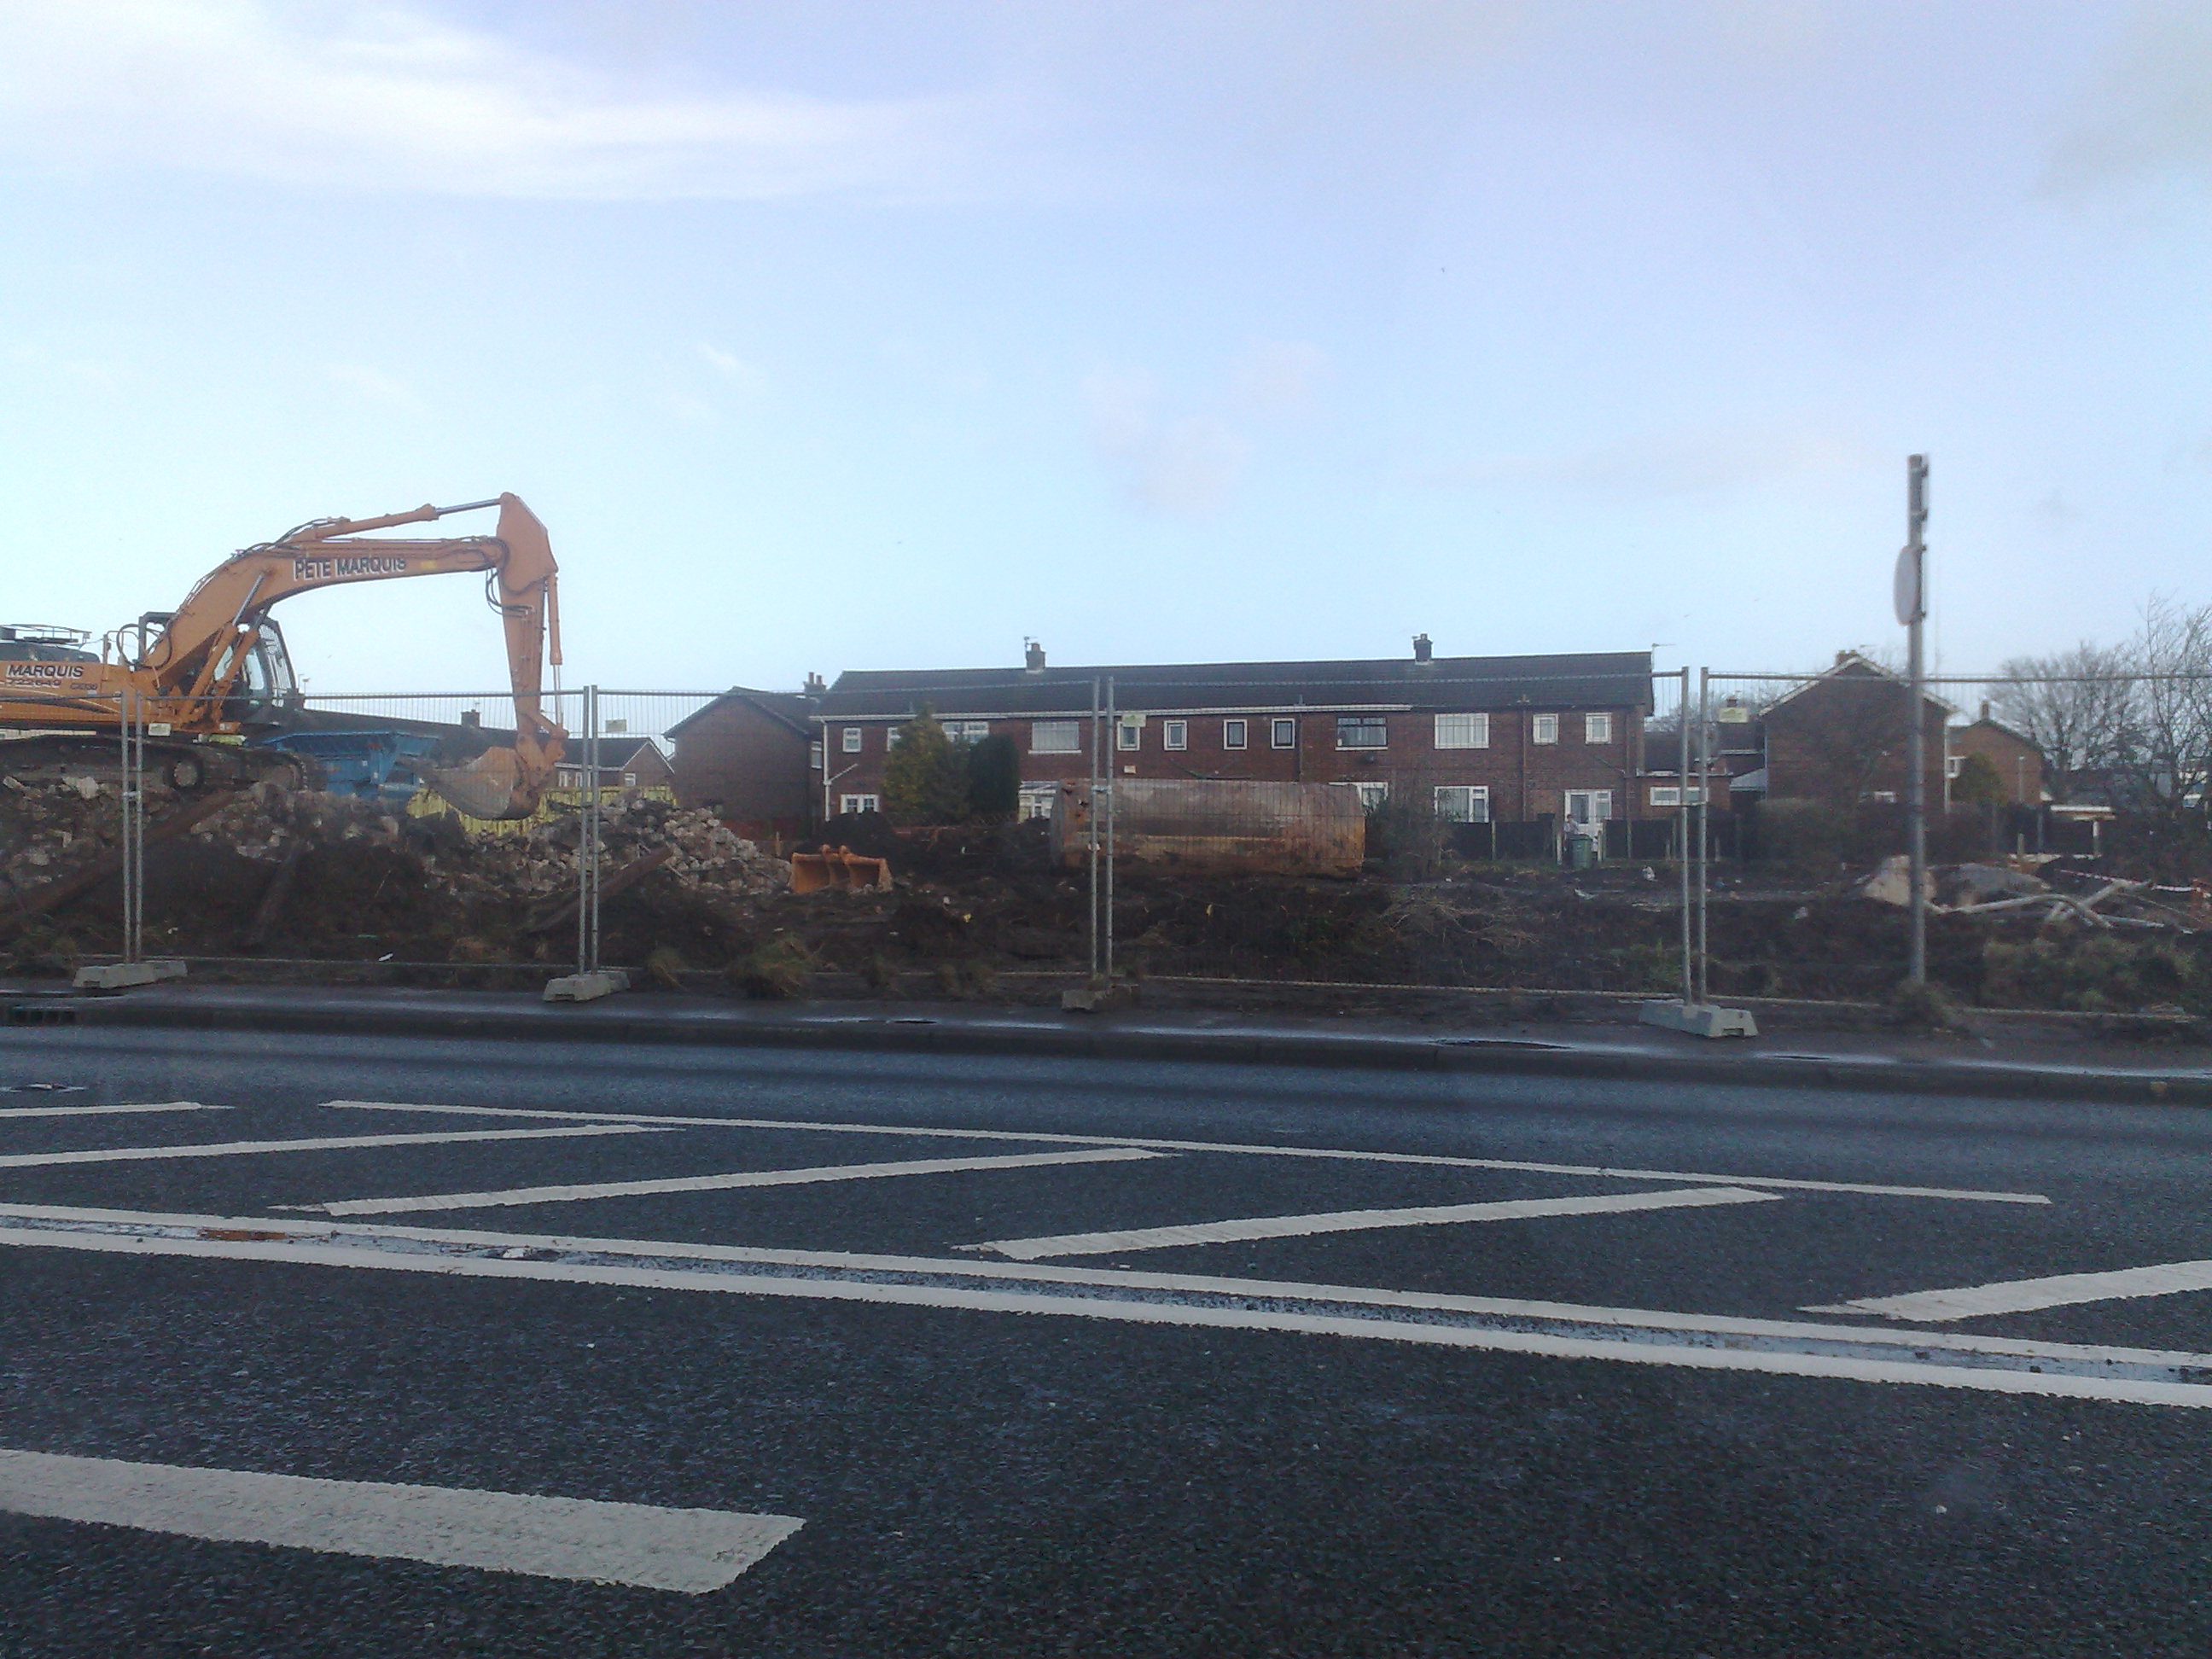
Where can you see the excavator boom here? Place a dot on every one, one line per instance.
(187, 670)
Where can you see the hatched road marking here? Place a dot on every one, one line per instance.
(1965, 1195)
(324, 1144)
(2025, 1295)
(1347, 1221)
(691, 1551)
(719, 1183)
(101, 1111)
(1633, 1336)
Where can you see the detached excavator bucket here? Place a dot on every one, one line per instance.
(838, 867)
(488, 786)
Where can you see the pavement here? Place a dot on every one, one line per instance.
(1989, 1061)
(340, 1343)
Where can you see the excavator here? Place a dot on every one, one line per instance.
(206, 683)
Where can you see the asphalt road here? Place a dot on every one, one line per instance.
(1165, 1361)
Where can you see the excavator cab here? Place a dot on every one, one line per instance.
(266, 689)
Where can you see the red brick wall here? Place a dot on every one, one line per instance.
(747, 766)
(2019, 763)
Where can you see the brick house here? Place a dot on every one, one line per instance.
(745, 757)
(1480, 737)
(1841, 738)
(2018, 761)
(625, 763)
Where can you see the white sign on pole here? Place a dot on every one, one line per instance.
(1912, 597)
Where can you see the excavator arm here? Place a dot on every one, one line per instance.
(197, 659)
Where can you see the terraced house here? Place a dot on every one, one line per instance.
(1480, 738)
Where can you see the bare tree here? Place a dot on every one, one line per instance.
(2165, 759)
(2075, 706)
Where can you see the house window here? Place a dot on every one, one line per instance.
(967, 731)
(1127, 736)
(1667, 794)
(1361, 732)
(1174, 734)
(1952, 764)
(814, 757)
(1284, 735)
(1463, 803)
(1545, 728)
(852, 739)
(629, 780)
(859, 804)
(1371, 795)
(1597, 728)
(1037, 800)
(1462, 731)
(1232, 734)
(1055, 738)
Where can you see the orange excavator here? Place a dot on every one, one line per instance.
(206, 680)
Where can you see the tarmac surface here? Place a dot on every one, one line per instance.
(384, 1345)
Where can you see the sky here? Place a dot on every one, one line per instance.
(863, 334)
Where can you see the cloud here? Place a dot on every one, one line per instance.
(733, 368)
(1666, 464)
(2152, 115)
(393, 98)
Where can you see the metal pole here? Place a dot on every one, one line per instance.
(131, 795)
(1113, 789)
(587, 839)
(1092, 830)
(1682, 836)
(1916, 747)
(1705, 833)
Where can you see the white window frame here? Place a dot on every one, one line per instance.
(1233, 733)
(966, 730)
(1041, 730)
(852, 740)
(1462, 731)
(1473, 797)
(1669, 795)
(1362, 723)
(1597, 728)
(1544, 728)
(862, 802)
(1174, 734)
(1953, 764)
(814, 757)
(1371, 795)
(1036, 800)
(1282, 734)
(1128, 739)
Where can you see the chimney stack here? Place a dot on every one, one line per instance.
(1423, 651)
(816, 686)
(1032, 657)
(1986, 708)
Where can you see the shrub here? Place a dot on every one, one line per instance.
(925, 777)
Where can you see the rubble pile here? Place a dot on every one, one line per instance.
(1995, 891)
(339, 865)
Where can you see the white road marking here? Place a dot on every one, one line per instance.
(1347, 1221)
(717, 1182)
(101, 1111)
(689, 1550)
(1627, 1348)
(325, 1144)
(2024, 1295)
(518, 1244)
(1966, 1194)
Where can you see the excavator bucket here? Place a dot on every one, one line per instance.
(838, 867)
(488, 786)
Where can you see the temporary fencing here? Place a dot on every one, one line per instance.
(1740, 774)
